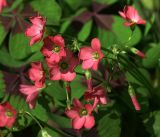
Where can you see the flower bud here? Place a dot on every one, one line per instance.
(137, 52)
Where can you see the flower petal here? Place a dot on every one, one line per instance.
(89, 108)
(72, 113)
(95, 43)
(85, 53)
(69, 76)
(55, 73)
(86, 64)
(89, 122)
(77, 103)
(78, 122)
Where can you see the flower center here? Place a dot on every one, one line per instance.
(56, 49)
(83, 112)
(96, 55)
(63, 65)
(9, 113)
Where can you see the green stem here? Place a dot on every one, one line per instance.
(135, 72)
(34, 119)
(68, 95)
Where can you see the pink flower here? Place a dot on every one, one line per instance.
(37, 74)
(63, 70)
(31, 93)
(131, 16)
(7, 115)
(91, 56)
(3, 3)
(98, 94)
(53, 48)
(36, 30)
(81, 115)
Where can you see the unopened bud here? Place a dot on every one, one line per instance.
(133, 98)
(137, 52)
(45, 133)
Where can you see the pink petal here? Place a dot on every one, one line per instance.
(69, 76)
(87, 64)
(101, 55)
(46, 52)
(32, 31)
(95, 43)
(96, 101)
(54, 58)
(122, 14)
(3, 3)
(31, 100)
(55, 73)
(72, 114)
(35, 39)
(131, 13)
(39, 21)
(103, 100)
(129, 24)
(89, 108)
(34, 74)
(10, 122)
(3, 119)
(78, 122)
(141, 21)
(89, 122)
(58, 40)
(95, 65)
(77, 103)
(73, 63)
(27, 89)
(85, 53)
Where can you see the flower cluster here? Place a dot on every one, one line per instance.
(61, 63)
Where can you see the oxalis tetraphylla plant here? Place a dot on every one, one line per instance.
(61, 56)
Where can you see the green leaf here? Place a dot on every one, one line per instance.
(19, 46)
(22, 121)
(153, 124)
(119, 34)
(40, 112)
(57, 92)
(106, 1)
(109, 125)
(76, 85)
(3, 34)
(152, 56)
(37, 46)
(132, 79)
(49, 9)
(45, 115)
(74, 4)
(9, 61)
(2, 85)
(18, 102)
(149, 4)
(60, 120)
(47, 132)
(64, 26)
(107, 38)
(85, 31)
(123, 33)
